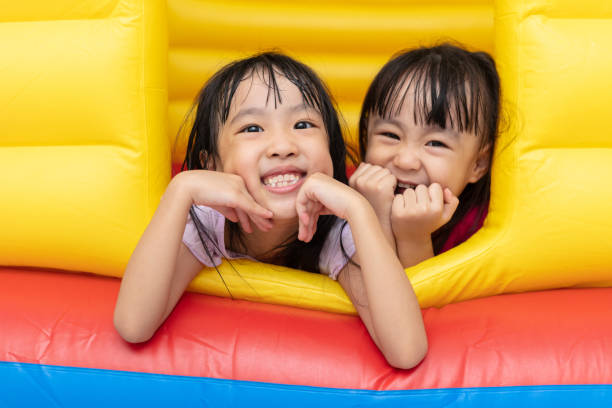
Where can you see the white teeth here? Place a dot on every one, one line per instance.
(406, 185)
(281, 180)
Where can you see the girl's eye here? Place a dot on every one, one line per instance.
(303, 125)
(390, 135)
(251, 128)
(435, 143)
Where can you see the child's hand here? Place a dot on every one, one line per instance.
(377, 185)
(417, 213)
(320, 195)
(227, 194)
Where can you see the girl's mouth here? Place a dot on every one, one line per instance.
(401, 187)
(283, 182)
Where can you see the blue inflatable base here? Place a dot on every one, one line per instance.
(32, 385)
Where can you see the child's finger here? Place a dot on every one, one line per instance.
(302, 207)
(383, 175)
(390, 182)
(422, 196)
(449, 197)
(367, 177)
(304, 218)
(410, 198)
(308, 214)
(371, 172)
(264, 224)
(357, 174)
(398, 204)
(307, 199)
(313, 226)
(450, 204)
(227, 212)
(325, 211)
(305, 227)
(302, 222)
(436, 197)
(245, 202)
(244, 220)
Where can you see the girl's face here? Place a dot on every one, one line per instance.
(273, 145)
(417, 154)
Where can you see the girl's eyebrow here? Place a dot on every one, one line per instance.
(436, 128)
(301, 107)
(247, 112)
(255, 111)
(378, 121)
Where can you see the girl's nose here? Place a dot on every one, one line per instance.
(282, 145)
(407, 159)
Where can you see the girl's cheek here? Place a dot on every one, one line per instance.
(377, 156)
(324, 158)
(328, 166)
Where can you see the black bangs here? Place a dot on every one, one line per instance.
(449, 87)
(267, 67)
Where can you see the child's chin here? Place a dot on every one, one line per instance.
(283, 208)
(284, 213)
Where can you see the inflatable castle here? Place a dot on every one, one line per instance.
(92, 95)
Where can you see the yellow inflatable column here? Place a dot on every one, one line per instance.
(549, 224)
(83, 154)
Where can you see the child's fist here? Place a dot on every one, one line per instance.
(377, 185)
(421, 211)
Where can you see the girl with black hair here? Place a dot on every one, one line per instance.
(426, 134)
(265, 179)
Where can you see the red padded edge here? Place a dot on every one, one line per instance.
(555, 337)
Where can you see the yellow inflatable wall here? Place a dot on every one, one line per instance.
(88, 89)
(83, 152)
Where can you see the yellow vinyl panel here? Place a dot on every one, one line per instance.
(549, 223)
(331, 27)
(22, 11)
(346, 42)
(348, 74)
(83, 154)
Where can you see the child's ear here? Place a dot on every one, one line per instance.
(481, 164)
(207, 161)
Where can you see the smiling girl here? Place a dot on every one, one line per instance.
(427, 133)
(265, 180)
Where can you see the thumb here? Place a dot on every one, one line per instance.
(450, 205)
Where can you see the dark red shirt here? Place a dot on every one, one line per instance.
(465, 228)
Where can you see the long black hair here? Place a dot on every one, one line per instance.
(452, 88)
(212, 109)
